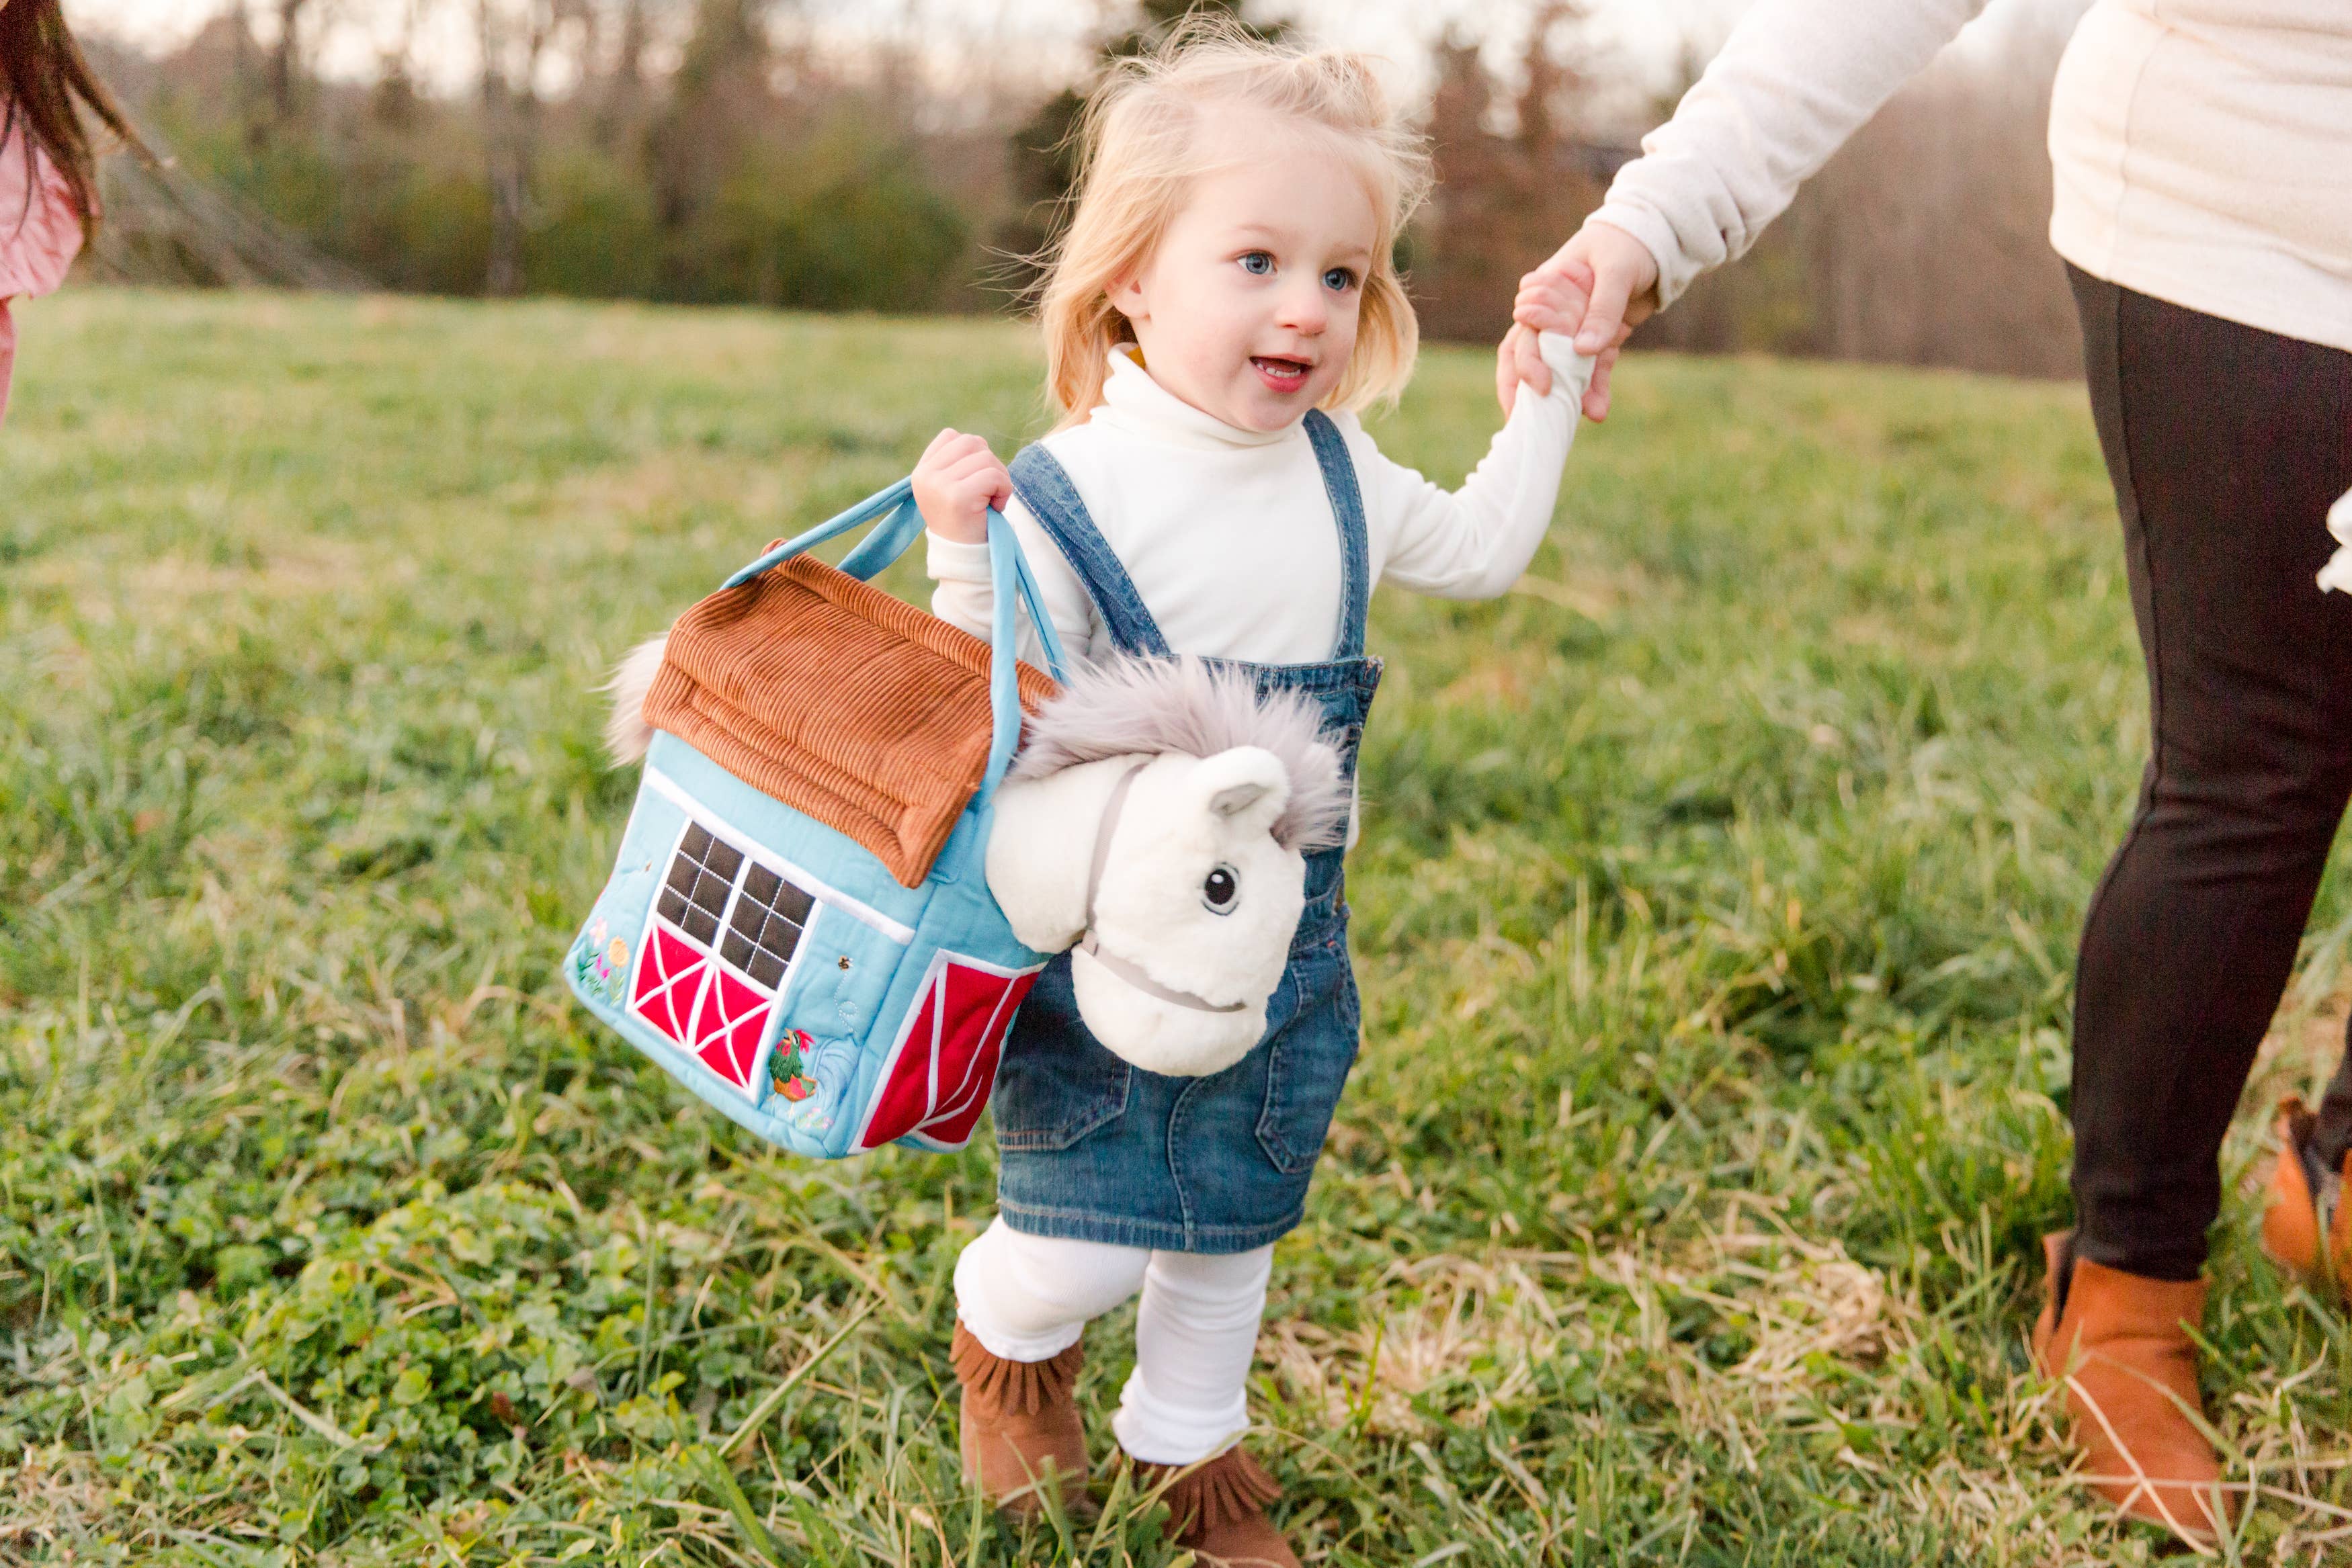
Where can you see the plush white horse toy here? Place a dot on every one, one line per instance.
(1157, 820)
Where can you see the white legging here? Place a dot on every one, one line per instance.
(1027, 1297)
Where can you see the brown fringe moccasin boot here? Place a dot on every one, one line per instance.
(2120, 1343)
(2307, 1229)
(1217, 1508)
(1021, 1430)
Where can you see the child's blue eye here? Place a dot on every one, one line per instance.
(1338, 280)
(1257, 263)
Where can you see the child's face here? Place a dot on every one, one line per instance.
(1248, 309)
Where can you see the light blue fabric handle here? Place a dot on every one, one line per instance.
(899, 498)
(1008, 574)
(1005, 561)
(1058, 662)
(1003, 677)
(888, 541)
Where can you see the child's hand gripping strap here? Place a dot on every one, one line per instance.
(1008, 575)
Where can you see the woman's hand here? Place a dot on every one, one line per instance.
(1613, 278)
(957, 480)
(1547, 298)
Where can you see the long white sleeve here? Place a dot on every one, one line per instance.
(966, 597)
(1473, 543)
(1794, 80)
(1227, 536)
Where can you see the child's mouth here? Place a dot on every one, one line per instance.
(1282, 375)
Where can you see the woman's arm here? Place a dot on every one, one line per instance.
(1473, 543)
(1795, 79)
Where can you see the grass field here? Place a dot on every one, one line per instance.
(1716, 909)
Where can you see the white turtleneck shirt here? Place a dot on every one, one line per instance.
(1229, 536)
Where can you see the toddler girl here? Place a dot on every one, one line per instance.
(1224, 298)
(48, 177)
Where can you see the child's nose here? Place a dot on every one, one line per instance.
(1304, 309)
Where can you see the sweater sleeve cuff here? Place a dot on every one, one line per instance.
(955, 560)
(1571, 371)
(1675, 271)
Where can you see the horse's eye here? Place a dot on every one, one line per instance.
(1222, 891)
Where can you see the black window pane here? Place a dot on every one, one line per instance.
(762, 884)
(748, 916)
(710, 892)
(725, 858)
(702, 927)
(682, 872)
(766, 969)
(737, 951)
(793, 905)
(696, 840)
(781, 937)
(673, 907)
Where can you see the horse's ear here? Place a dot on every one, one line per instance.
(1246, 784)
(1235, 798)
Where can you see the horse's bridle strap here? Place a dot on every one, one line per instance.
(1092, 946)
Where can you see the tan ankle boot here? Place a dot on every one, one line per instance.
(2307, 1227)
(2121, 1345)
(1217, 1508)
(1020, 1427)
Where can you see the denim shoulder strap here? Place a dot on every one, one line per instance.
(1355, 547)
(1045, 487)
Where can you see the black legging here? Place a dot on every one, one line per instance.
(2227, 446)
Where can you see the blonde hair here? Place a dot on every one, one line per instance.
(1138, 153)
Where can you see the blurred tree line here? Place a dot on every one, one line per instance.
(1924, 241)
(726, 151)
(676, 150)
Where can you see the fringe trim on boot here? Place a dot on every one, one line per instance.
(1230, 1487)
(1000, 1387)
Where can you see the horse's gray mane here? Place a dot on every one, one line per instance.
(1128, 707)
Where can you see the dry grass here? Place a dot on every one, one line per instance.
(1714, 915)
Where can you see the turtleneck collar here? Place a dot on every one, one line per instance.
(1134, 402)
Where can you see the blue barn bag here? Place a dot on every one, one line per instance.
(798, 926)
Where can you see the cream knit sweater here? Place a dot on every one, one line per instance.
(2202, 148)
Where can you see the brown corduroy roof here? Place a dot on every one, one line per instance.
(838, 700)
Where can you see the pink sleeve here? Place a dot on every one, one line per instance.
(7, 355)
(41, 228)
(41, 231)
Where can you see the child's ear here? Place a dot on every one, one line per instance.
(1126, 296)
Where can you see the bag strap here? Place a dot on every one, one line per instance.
(899, 525)
(1045, 487)
(898, 501)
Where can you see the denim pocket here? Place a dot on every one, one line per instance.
(1309, 1057)
(1057, 1083)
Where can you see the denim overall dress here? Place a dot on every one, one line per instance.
(1096, 1149)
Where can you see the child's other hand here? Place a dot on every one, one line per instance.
(957, 480)
(1548, 301)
